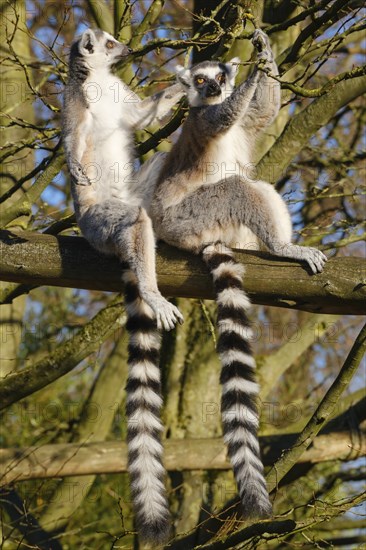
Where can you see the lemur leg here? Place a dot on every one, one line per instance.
(214, 212)
(270, 221)
(141, 242)
(126, 231)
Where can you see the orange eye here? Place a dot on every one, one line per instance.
(110, 45)
(200, 80)
(221, 78)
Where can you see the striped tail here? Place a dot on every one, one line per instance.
(239, 411)
(144, 427)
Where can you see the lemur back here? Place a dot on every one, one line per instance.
(99, 117)
(205, 202)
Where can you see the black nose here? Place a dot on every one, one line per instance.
(213, 89)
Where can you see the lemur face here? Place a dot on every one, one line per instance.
(101, 49)
(208, 83)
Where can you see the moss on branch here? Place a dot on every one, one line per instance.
(39, 259)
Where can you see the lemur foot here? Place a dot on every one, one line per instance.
(167, 315)
(78, 174)
(261, 43)
(314, 257)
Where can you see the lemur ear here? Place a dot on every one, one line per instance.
(183, 75)
(87, 42)
(233, 66)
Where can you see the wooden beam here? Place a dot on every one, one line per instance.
(39, 259)
(107, 457)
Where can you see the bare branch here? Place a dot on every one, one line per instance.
(302, 126)
(322, 413)
(107, 457)
(64, 358)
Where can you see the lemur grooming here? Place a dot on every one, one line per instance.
(205, 203)
(99, 116)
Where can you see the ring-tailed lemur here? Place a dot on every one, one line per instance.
(204, 202)
(99, 116)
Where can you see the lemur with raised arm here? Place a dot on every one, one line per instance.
(205, 203)
(99, 116)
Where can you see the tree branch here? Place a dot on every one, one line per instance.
(267, 530)
(23, 206)
(273, 366)
(322, 413)
(106, 457)
(40, 259)
(63, 359)
(101, 15)
(302, 126)
(105, 396)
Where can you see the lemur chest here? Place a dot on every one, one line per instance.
(108, 158)
(227, 155)
(106, 106)
(107, 127)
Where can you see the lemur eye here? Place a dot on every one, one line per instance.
(200, 80)
(110, 44)
(221, 78)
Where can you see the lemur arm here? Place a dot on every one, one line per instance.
(215, 119)
(74, 137)
(266, 101)
(255, 102)
(155, 107)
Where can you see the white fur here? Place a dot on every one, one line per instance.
(235, 270)
(114, 171)
(146, 440)
(232, 355)
(241, 434)
(145, 340)
(239, 383)
(147, 395)
(145, 371)
(244, 454)
(138, 306)
(272, 198)
(227, 325)
(114, 112)
(233, 297)
(240, 412)
(145, 420)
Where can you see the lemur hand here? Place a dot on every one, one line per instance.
(261, 43)
(78, 174)
(167, 315)
(314, 258)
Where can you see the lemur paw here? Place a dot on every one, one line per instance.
(261, 43)
(260, 40)
(314, 257)
(167, 315)
(78, 174)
